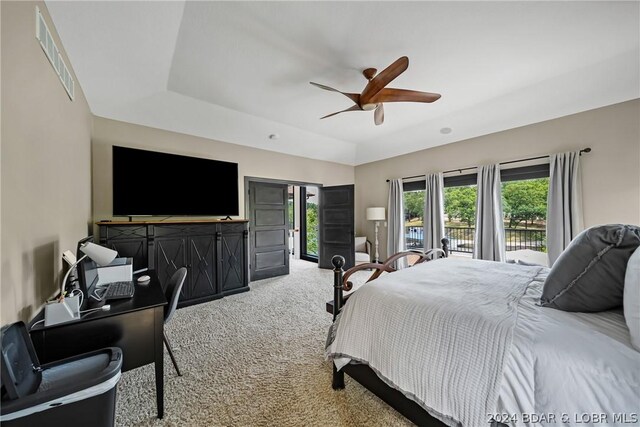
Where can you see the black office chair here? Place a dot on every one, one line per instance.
(172, 293)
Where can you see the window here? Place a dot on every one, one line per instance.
(524, 205)
(460, 217)
(309, 223)
(413, 218)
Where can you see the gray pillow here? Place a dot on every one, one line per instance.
(589, 274)
(632, 298)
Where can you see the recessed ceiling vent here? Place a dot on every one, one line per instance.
(53, 53)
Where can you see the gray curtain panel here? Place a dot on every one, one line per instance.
(564, 202)
(433, 211)
(395, 230)
(489, 241)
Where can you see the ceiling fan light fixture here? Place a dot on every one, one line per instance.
(376, 93)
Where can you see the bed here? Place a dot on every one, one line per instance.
(465, 342)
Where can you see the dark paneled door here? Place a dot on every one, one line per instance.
(202, 267)
(134, 248)
(232, 261)
(269, 228)
(170, 256)
(336, 230)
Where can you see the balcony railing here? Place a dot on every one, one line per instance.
(461, 239)
(413, 237)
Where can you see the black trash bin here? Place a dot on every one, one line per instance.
(77, 391)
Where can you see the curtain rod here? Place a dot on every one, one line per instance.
(584, 150)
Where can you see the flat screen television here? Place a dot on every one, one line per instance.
(150, 183)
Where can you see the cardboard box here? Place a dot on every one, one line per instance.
(120, 270)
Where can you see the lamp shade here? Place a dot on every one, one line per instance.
(101, 255)
(375, 214)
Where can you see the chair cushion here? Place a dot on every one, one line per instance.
(362, 257)
(361, 244)
(589, 275)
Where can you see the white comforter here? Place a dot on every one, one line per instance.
(569, 369)
(439, 332)
(467, 341)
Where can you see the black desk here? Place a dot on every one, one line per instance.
(135, 325)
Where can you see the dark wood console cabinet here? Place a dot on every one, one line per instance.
(214, 252)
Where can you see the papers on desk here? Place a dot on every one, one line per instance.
(120, 270)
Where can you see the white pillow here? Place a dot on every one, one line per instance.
(632, 298)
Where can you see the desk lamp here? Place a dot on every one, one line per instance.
(66, 309)
(377, 215)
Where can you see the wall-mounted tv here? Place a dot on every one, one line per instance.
(152, 183)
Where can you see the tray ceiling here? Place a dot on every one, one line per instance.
(240, 71)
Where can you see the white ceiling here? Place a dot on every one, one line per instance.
(240, 71)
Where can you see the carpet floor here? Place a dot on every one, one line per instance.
(254, 359)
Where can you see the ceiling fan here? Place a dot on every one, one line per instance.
(376, 93)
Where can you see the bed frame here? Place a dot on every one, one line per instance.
(363, 373)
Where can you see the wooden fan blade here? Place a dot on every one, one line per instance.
(383, 78)
(404, 95)
(378, 115)
(352, 108)
(352, 96)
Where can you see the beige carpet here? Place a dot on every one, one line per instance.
(254, 359)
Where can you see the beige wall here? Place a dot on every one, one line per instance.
(46, 165)
(611, 172)
(251, 162)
